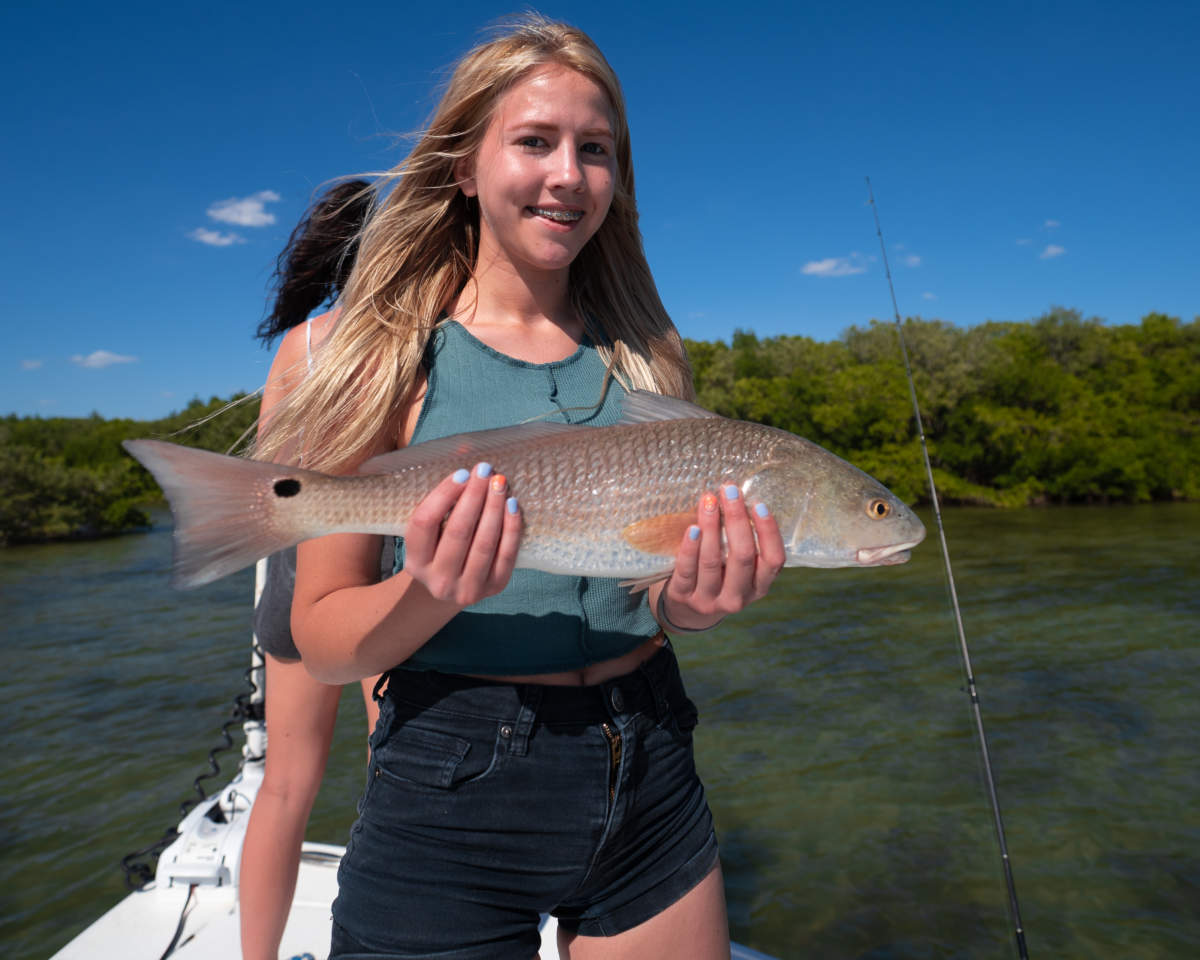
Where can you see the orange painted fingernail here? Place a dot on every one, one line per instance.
(709, 503)
(499, 481)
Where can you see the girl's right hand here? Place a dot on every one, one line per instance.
(461, 541)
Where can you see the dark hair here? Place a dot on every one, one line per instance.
(312, 269)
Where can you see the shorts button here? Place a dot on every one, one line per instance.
(617, 701)
(506, 731)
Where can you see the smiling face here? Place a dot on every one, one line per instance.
(544, 172)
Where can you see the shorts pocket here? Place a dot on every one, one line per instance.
(434, 758)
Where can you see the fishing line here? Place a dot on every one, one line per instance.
(972, 692)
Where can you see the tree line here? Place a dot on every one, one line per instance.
(1056, 410)
(1060, 409)
(69, 477)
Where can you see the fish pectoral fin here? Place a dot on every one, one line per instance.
(659, 534)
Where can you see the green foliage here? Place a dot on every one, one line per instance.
(1060, 409)
(69, 477)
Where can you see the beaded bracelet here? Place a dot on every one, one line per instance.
(672, 627)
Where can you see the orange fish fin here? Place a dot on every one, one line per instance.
(659, 534)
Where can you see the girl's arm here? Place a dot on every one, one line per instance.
(348, 626)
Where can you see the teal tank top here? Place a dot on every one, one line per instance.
(541, 622)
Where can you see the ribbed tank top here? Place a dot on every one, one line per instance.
(541, 622)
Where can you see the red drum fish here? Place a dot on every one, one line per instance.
(609, 501)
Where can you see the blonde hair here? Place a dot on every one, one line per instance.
(417, 252)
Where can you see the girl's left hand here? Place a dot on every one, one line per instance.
(706, 586)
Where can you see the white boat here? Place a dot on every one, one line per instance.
(190, 908)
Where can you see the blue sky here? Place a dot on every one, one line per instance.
(1022, 155)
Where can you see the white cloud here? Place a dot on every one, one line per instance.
(1051, 224)
(98, 359)
(215, 238)
(1052, 250)
(928, 296)
(30, 364)
(912, 260)
(835, 266)
(1023, 241)
(246, 211)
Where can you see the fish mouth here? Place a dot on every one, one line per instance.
(885, 556)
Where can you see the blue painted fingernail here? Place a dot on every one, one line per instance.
(693, 532)
(460, 476)
(761, 509)
(511, 504)
(483, 470)
(731, 492)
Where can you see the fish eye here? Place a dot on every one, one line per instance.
(878, 508)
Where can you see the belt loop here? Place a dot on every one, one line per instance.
(379, 684)
(531, 698)
(662, 709)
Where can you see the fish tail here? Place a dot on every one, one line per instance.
(225, 508)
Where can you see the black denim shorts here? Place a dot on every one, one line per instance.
(488, 804)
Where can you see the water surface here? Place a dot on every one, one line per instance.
(835, 739)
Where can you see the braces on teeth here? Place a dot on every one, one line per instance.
(564, 216)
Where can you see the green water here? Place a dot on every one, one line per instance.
(835, 738)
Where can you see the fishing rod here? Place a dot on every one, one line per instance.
(1013, 906)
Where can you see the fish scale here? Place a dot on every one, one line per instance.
(630, 474)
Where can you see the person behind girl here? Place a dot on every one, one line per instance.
(534, 747)
(311, 271)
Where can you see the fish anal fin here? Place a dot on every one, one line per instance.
(659, 534)
(644, 583)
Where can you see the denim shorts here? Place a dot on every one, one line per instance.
(488, 804)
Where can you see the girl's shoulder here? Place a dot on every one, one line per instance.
(320, 327)
(293, 357)
(300, 341)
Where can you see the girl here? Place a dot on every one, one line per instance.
(533, 752)
(301, 711)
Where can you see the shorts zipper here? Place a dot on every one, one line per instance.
(614, 754)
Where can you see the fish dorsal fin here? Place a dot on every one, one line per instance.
(643, 406)
(469, 448)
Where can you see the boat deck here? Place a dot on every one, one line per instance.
(190, 910)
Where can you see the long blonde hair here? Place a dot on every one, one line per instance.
(418, 249)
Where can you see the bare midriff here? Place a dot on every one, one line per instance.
(593, 673)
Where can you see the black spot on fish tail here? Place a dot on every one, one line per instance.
(287, 488)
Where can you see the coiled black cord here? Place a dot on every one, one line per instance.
(140, 866)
